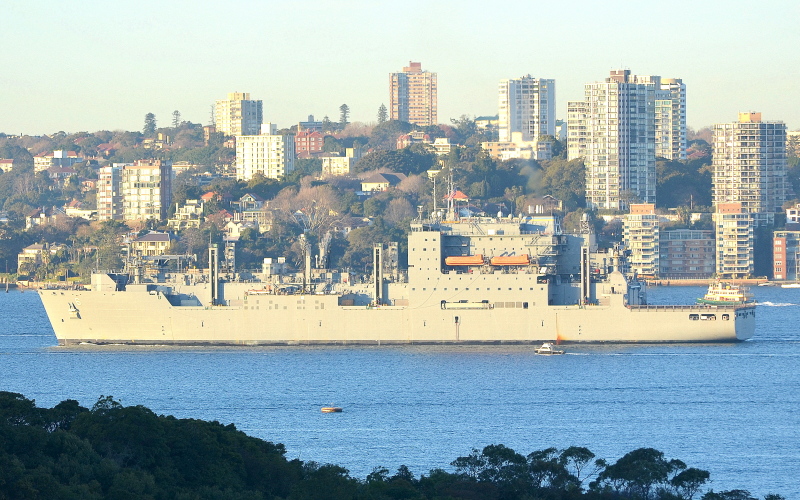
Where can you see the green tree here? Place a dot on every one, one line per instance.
(688, 482)
(410, 160)
(465, 128)
(382, 114)
(683, 182)
(564, 180)
(579, 462)
(344, 114)
(176, 119)
(640, 472)
(327, 125)
(384, 136)
(149, 124)
(331, 144)
(358, 254)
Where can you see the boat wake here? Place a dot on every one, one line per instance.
(777, 304)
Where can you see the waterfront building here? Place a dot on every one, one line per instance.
(786, 253)
(527, 105)
(735, 239)
(268, 153)
(238, 114)
(146, 190)
(640, 234)
(412, 96)
(749, 166)
(686, 254)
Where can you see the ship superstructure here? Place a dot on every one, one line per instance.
(472, 280)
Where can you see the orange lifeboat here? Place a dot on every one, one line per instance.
(464, 260)
(512, 260)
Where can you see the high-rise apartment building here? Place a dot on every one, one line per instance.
(640, 235)
(109, 194)
(146, 190)
(268, 153)
(670, 119)
(749, 165)
(577, 130)
(527, 106)
(619, 141)
(735, 241)
(413, 96)
(238, 115)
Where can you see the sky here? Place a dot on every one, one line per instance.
(85, 65)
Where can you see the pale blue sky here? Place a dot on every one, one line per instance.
(91, 65)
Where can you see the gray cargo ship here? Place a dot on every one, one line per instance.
(477, 280)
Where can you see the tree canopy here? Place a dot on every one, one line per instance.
(112, 451)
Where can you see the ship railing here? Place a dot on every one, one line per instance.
(679, 307)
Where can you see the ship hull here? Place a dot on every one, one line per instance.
(145, 318)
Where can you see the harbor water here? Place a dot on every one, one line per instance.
(732, 409)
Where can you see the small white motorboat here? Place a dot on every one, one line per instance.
(547, 348)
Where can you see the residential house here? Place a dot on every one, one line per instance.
(60, 158)
(151, 244)
(381, 182)
(186, 216)
(413, 137)
(6, 165)
(335, 164)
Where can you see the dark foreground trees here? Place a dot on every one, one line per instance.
(118, 452)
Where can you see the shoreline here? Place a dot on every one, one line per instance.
(707, 281)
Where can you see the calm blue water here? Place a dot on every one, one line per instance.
(731, 409)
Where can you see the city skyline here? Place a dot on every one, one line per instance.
(71, 63)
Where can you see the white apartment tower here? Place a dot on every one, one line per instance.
(146, 190)
(749, 165)
(268, 153)
(528, 106)
(670, 119)
(619, 151)
(109, 194)
(577, 130)
(238, 115)
(734, 228)
(640, 234)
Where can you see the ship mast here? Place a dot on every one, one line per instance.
(451, 198)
